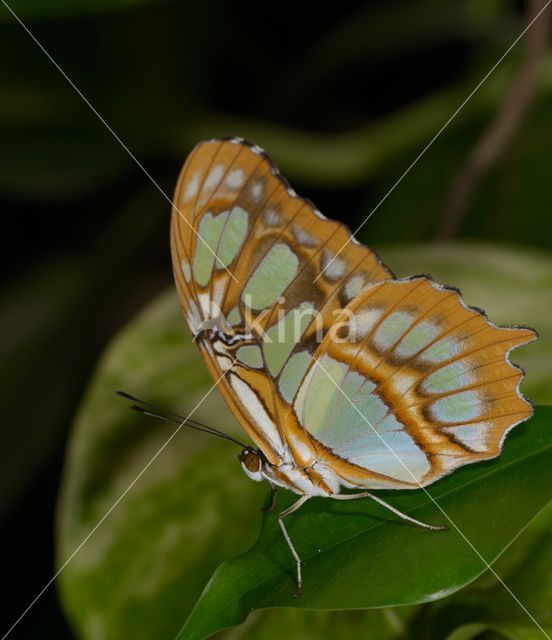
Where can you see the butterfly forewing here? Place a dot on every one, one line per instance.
(246, 254)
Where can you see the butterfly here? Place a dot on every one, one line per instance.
(343, 376)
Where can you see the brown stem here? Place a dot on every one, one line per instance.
(500, 130)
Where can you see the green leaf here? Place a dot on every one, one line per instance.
(298, 624)
(356, 556)
(143, 569)
(525, 569)
(191, 510)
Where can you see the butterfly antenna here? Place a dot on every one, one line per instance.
(149, 409)
(188, 423)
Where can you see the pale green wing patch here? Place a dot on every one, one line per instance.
(234, 316)
(317, 392)
(293, 373)
(448, 378)
(458, 407)
(232, 237)
(223, 236)
(274, 273)
(280, 340)
(339, 407)
(210, 229)
(250, 356)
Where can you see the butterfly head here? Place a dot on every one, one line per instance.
(252, 463)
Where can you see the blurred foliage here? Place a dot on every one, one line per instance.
(46, 306)
(170, 83)
(344, 100)
(145, 567)
(55, 9)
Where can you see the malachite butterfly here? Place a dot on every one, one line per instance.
(342, 375)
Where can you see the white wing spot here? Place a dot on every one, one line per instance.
(333, 266)
(214, 177)
(193, 318)
(257, 191)
(234, 179)
(292, 192)
(304, 238)
(319, 214)
(218, 293)
(272, 218)
(186, 271)
(256, 149)
(191, 188)
(354, 286)
(205, 304)
(362, 323)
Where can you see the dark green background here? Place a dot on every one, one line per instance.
(344, 98)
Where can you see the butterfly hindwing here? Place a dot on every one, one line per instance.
(410, 384)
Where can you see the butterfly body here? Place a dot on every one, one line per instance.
(316, 480)
(297, 468)
(343, 376)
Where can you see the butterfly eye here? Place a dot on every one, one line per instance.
(251, 463)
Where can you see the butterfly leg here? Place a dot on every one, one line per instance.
(367, 494)
(294, 553)
(273, 498)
